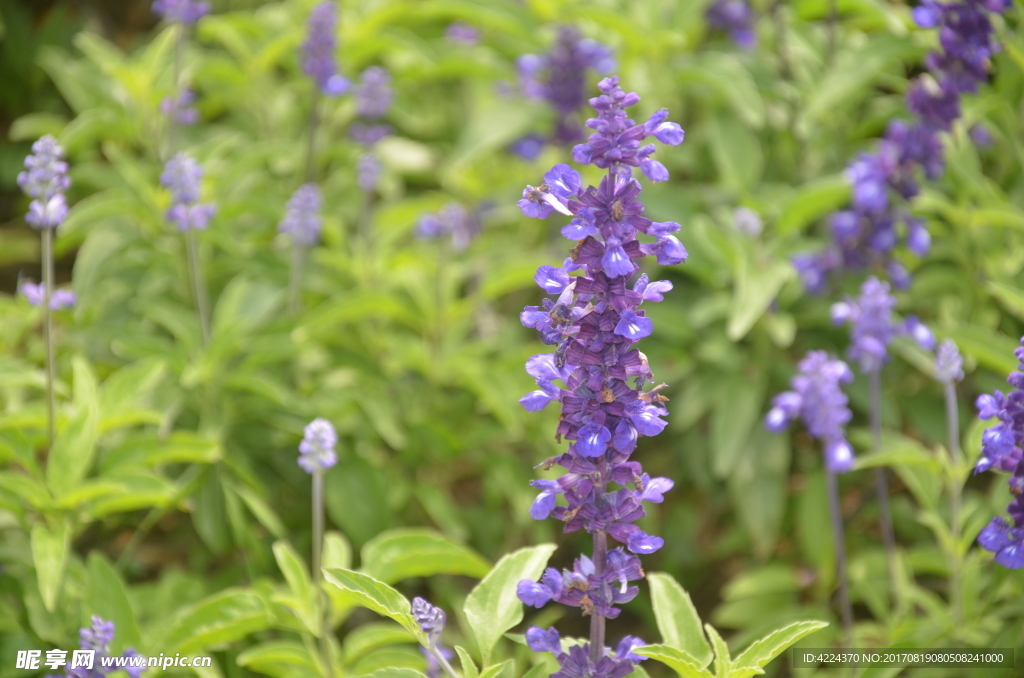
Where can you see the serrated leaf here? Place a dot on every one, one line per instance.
(376, 596)
(680, 661)
(222, 618)
(49, 553)
(294, 570)
(368, 637)
(469, 669)
(419, 552)
(752, 660)
(505, 669)
(492, 607)
(723, 661)
(677, 618)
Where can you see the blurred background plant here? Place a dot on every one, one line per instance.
(171, 503)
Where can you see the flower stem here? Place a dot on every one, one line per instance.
(881, 482)
(48, 338)
(442, 661)
(295, 277)
(846, 612)
(597, 621)
(956, 489)
(318, 542)
(195, 273)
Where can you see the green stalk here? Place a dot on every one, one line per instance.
(198, 286)
(881, 482)
(48, 338)
(322, 604)
(442, 661)
(845, 610)
(955, 498)
(298, 253)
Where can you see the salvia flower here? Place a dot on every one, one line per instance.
(597, 376)
(817, 398)
(374, 93)
(430, 618)
(1001, 450)
(317, 446)
(462, 34)
(186, 12)
(872, 327)
(45, 179)
(368, 169)
(302, 220)
(747, 221)
(560, 77)
(949, 364)
(452, 220)
(36, 293)
(866, 234)
(318, 49)
(181, 108)
(183, 176)
(734, 17)
(97, 637)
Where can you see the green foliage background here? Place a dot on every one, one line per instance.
(174, 473)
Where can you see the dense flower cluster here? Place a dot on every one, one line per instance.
(594, 322)
(318, 49)
(462, 34)
(865, 233)
(302, 220)
(98, 636)
(185, 12)
(560, 77)
(183, 176)
(45, 179)
(316, 451)
(181, 108)
(734, 17)
(818, 399)
(1001, 447)
(36, 294)
(577, 663)
(431, 620)
(872, 326)
(949, 364)
(452, 220)
(373, 99)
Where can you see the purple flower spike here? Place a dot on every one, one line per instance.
(45, 178)
(374, 93)
(186, 12)
(593, 440)
(35, 294)
(97, 638)
(318, 49)
(455, 221)
(949, 367)
(734, 17)
(817, 398)
(302, 220)
(1005, 541)
(462, 34)
(317, 446)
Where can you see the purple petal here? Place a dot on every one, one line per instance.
(653, 170)
(593, 440)
(640, 542)
(615, 261)
(552, 280)
(533, 594)
(633, 326)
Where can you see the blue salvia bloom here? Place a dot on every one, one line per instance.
(318, 49)
(317, 446)
(452, 220)
(561, 76)
(818, 399)
(180, 109)
(374, 93)
(462, 34)
(866, 234)
(186, 12)
(949, 364)
(35, 293)
(1001, 450)
(97, 637)
(183, 176)
(431, 620)
(45, 179)
(872, 325)
(368, 169)
(302, 220)
(594, 322)
(734, 17)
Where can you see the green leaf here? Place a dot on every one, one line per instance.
(389, 658)
(49, 553)
(75, 446)
(261, 509)
(814, 529)
(723, 662)
(224, 617)
(736, 151)
(395, 673)
(506, 669)
(279, 658)
(492, 608)
(337, 552)
(31, 491)
(469, 669)
(758, 487)
(678, 623)
(295, 573)
(990, 348)
(34, 125)
(356, 500)
(736, 411)
(752, 660)
(419, 552)
(680, 661)
(368, 637)
(731, 81)
(897, 449)
(813, 201)
(376, 596)
(757, 284)
(106, 596)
